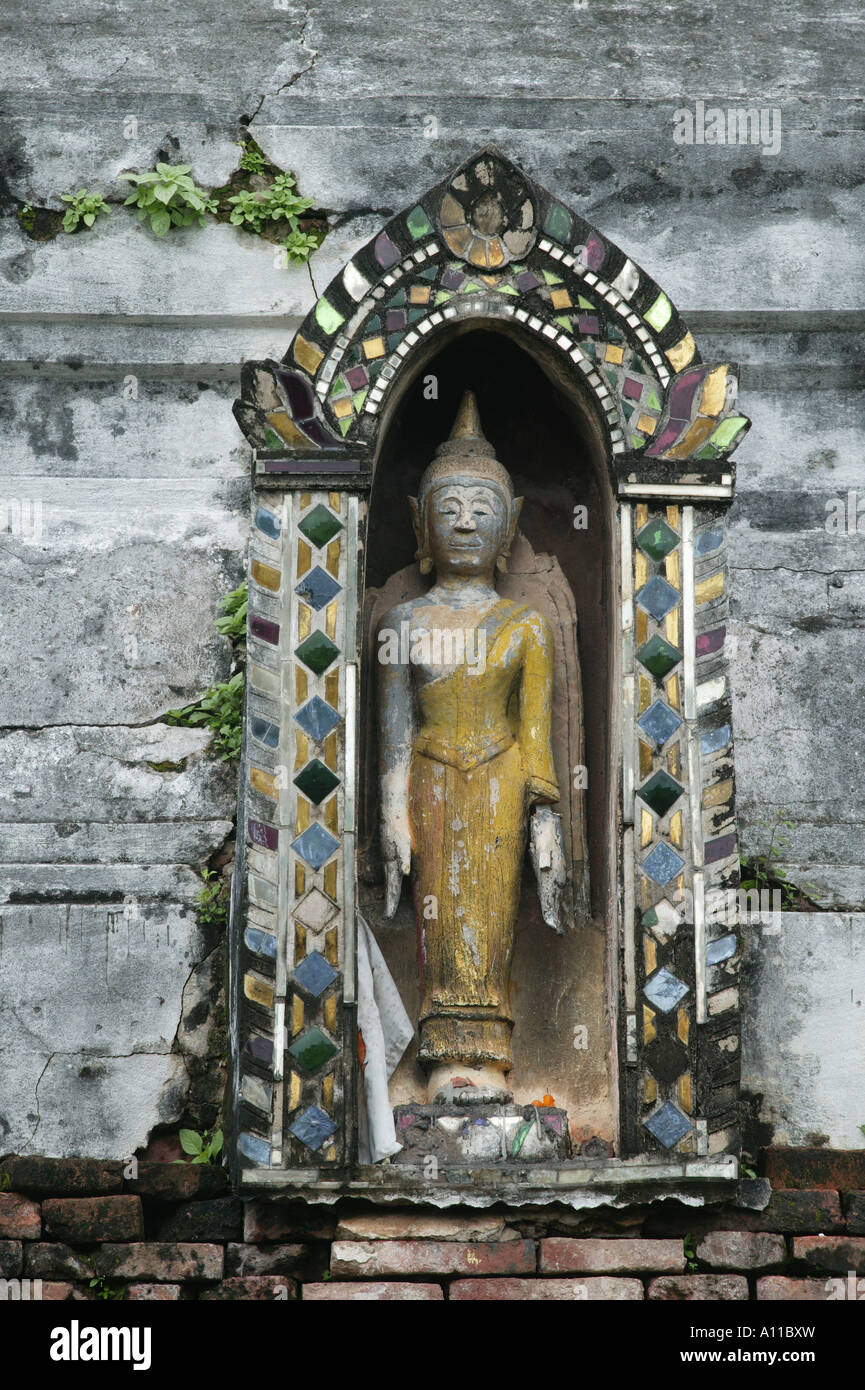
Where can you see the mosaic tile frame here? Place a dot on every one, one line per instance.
(671, 423)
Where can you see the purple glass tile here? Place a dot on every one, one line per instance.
(395, 320)
(452, 279)
(309, 465)
(357, 378)
(711, 641)
(265, 629)
(589, 324)
(298, 393)
(260, 1048)
(385, 252)
(265, 835)
(633, 389)
(719, 849)
(319, 435)
(592, 254)
(527, 281)
(666, 439)
(682, 394)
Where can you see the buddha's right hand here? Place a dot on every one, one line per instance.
(396, 852)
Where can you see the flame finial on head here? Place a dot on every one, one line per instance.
(467, 453)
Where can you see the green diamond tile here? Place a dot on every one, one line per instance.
(316, 781)
(660, 793)
(317, 652)
(320, 525)
(657, 539)
(313, 1049)
(658, 656)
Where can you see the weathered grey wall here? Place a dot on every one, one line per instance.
(107, 615)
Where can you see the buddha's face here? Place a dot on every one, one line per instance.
(467, 527)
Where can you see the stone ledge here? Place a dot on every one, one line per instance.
(548, 1290)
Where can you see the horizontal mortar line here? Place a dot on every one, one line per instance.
(27, 317)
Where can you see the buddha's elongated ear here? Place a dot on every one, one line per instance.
(502, 559)
(422, 554)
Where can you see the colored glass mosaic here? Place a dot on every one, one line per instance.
(666, 1058)
(657, 539)
(668, 1125)
(720, 950)
(316, 781)
(317, 652)
(313, 1049)
(315, 846)
(251, 1146)
(658, 597)
(707, 541)
(665, 991)
(264, 629)
(320, 526)
(660, 792)
(315, 974)
(709, 642)
(662, 864)
(269, 524)
(266, 732)
(659, 722)
(315, 910)
(721, 848)
(317, 719)
(317, 588)
(658, 656)
(313, 1128)
(714, 740)
(263, 943)
(260, 1048)
(267, 836)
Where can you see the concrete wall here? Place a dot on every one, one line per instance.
(119, 363)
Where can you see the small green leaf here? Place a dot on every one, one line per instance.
(190, 1142)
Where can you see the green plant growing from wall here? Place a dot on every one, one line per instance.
(689, 1246)
(252, 160)
(261, 210)
(204, 1148)
(27, 217)
(221, 709)
(763, 871)
(213, 900)
(169, 198)
(104, 1289)
(233, 622)
(83, 207)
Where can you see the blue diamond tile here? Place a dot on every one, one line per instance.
(317, 588)
(257, 1149)
(315, 845)
(314, 974)
(317, 718)
(313, 1128)
(268, 523)
(664, 991)
(719, 950)
(714, 740)
(658, 597)
(668, 1125)
(707, 541)
(659, 722)
(662, 864)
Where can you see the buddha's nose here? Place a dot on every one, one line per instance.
(466, 522)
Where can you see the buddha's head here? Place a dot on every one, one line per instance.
(465, 513)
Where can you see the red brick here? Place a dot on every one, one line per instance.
(168, 1264)
(20, 1219)
(742, 1250)
(835, 1253)
(65, 1177)
(855, 1205)
(219, 1219)
(257, 1287)
(681, 1287)
(411, 1225)
(63, 1293)
(153, 1293)
(373, 1259)
(43, 1261)
(11, 1258)
(843, 1169)
(264, 1222)
(776, 1288)
(305, 1261)
(91, 1220)
(549, 1290)
(560, 1255)
(178, 1182)
(333, 1292)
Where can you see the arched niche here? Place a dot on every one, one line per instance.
(489, 275)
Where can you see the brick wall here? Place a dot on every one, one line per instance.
(177, 1232)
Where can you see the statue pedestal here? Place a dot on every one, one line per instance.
(461, 1134)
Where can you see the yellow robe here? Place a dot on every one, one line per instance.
(481, 758)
